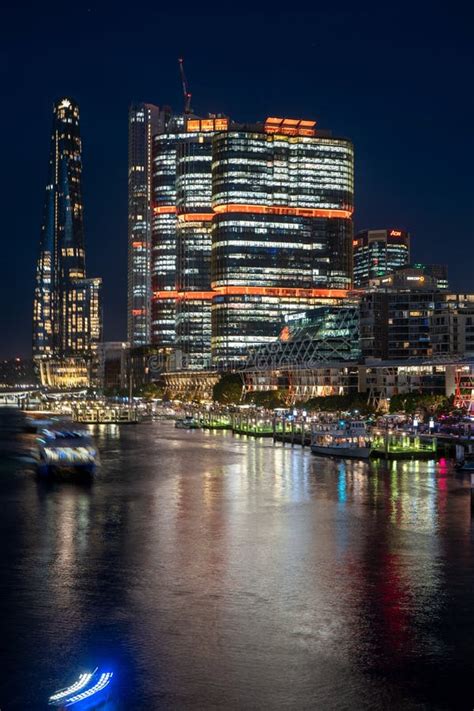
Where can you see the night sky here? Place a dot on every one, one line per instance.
(395, 78)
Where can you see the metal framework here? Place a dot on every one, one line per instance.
(464, 387)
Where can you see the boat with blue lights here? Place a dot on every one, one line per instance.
(66, 452)
(89, 691)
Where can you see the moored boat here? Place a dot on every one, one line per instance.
(187, 423)
(349, 440)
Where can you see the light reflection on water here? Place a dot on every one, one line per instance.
(218, 571)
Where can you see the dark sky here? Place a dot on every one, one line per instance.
(397, 78)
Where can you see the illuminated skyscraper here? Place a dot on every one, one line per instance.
(379, 252)
(144, 121)
(251, 222)
(282, 196)
(67, 318)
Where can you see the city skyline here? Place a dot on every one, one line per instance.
(396, 180)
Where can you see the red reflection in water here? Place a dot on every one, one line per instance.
(395, 600)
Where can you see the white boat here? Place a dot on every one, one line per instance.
(187, 423)
(346, 441)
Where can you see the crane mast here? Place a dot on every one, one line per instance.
(186, 93)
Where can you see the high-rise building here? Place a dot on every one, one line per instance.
(282, 196)
(396, 315)
(67, 313)
(250, 222)
(379, 252)
(144, 121)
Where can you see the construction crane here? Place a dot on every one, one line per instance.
(186, 93)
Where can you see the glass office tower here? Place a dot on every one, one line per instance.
(67, 318)
(250, 223)
(379, 252)
(282, 195)
(181, 253)
(144, 121)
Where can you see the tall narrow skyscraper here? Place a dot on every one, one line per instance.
(144, 121)
(67, 319)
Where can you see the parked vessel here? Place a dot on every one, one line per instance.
(347, 440)
(187, 423)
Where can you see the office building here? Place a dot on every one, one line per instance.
(144, 121)
(377, 253)
(67, 313)
(282, 195)
(452, 326)
(438, 272)
(113, 367)
(250, 222)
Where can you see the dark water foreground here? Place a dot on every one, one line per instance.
(211, 571)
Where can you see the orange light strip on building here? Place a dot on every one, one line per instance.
(138, 312)
(196, 295)
(217, 124)
(137, 245)
(281, 292)
(165, 295)
(282, 210)
(184, 295)
(289, 127)
(164, 209)
(196, 216)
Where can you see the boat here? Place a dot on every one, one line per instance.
(89, 691)
(187, 423)
(346, 440)
(66, 452)
(466, 465)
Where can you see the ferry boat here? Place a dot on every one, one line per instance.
(187, 423)
(350, 440)
(90, 691)
(66, 452)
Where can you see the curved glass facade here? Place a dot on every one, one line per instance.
(283, 207)
(252, 221)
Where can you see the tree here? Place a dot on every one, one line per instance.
(339, 403)
(410, 403)
(228, 390)
(152, 391)
(268, 399)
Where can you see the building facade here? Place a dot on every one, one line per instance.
(406, 315)
(250, 222)
(144, 122)
(379, 252)
(67, 312)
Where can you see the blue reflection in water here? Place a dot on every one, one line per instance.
(341, 483)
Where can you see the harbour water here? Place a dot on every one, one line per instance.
(212, 571)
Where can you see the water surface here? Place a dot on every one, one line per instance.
(212, 571)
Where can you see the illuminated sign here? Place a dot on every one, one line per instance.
(395, 233)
